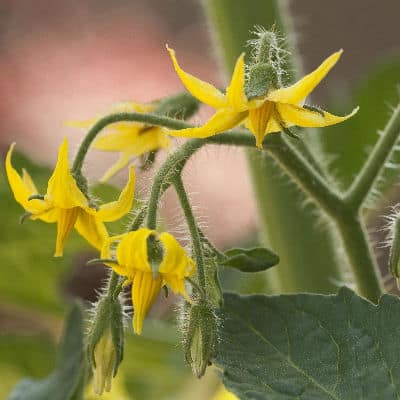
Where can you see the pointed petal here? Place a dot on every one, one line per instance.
(50, 215)
(85, 124)
(223, 120)
(235, 93)
(205, 92)
(23, 187)
(258, 121)
(28, 182)
(65, 223)
(117, 139)
(132, 251)
(144, 291)
(291, 114)
(120, 164)
(105, 254)
(117, 209)
(176, 264)
(300, 90)
(91, 229)
(62, 189)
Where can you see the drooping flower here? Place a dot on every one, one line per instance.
(150, 260)
(275, 111)
(65, 204)
(130, 139)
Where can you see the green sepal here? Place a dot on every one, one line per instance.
(259, 79)
(155, 254)
(180, 106)
(255, 259)
(200, 336)
(108, 316)
(36, 197)
(214, 290)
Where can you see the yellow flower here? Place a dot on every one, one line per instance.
(223, 394)
(134, 262)
(131, 139)
(65, 204)
(278, 109)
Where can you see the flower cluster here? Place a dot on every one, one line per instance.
(142, 257)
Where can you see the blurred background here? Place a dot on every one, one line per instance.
(70, 60)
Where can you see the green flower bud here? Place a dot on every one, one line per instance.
(214, 291)
(105, 342)
(105, 359)
(182, 106)
(267, 68)
(200, 336)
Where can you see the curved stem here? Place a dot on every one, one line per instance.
(369, 173)
(193, 229)
(122, 117)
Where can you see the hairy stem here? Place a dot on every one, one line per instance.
(150, 119)
(359, 252)
(193, 229)
(369, 173)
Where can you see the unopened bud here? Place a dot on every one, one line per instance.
(181, 106)
(105, 360)
(105, 343)
(200, 337)
(268, 65)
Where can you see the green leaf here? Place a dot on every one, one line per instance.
(310, 346)
(62, 384)
(251, 260)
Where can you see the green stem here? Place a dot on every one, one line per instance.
(282, 221)
(359, 252)
(166, 175)
(369, 173)
(113, 283)
(193, 229)
(150, 119)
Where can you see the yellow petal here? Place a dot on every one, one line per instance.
(131, 144)
(85, 124)
(117, 139)
(123, 160)
(132, 251)
(28, 182)
(105, 254)
(235, 93)
(91, 229)
(62, 189)
(117, 209)
(306, 118)
(205, 92)
(144, 291)
(50, 215)
(258, 121)
(65, 223)
(176, 264)
(300, 90)
(22, 188)
(223, 120)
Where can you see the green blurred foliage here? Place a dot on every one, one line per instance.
(350, 143)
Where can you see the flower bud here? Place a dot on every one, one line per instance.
(105, 342)
(200, 337)
(105, 360)
(214, 291)
(268, 65)
(182, 106)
